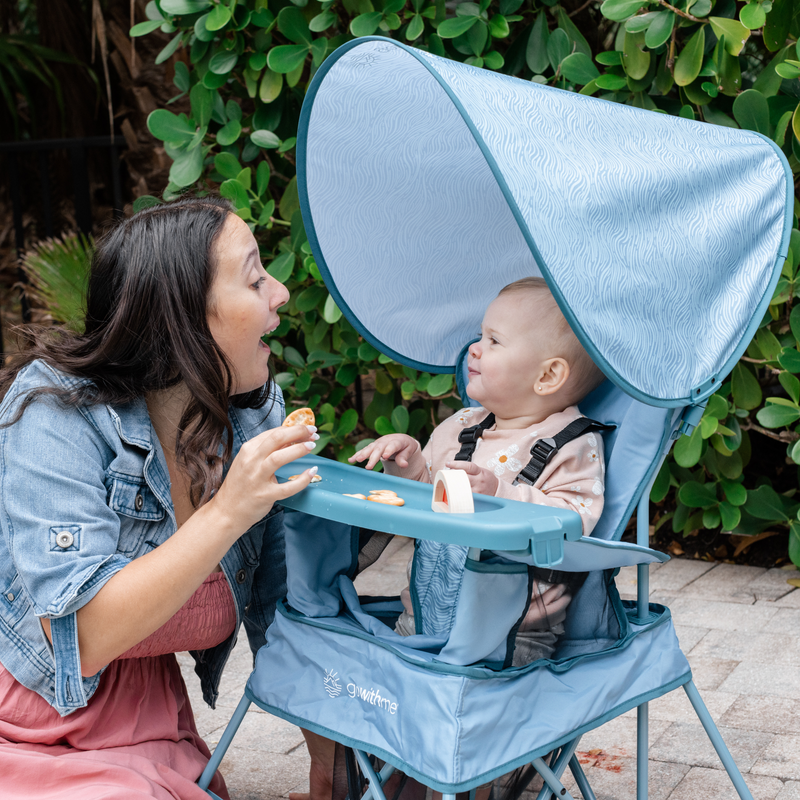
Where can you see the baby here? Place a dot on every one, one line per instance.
(528, 372)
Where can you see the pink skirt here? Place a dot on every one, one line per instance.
(136, 738)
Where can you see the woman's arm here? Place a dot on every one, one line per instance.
(145, 593)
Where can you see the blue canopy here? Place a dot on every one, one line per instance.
(426, 185)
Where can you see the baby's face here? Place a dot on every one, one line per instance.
(503, 365)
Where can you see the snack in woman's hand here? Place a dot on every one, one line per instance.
(303, 416)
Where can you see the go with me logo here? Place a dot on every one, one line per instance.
(372, 696)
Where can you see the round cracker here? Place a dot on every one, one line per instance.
(387, 500)
(302, 416)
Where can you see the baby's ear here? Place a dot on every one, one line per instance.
(553, 376)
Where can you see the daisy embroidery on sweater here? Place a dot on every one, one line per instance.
(464, 416)
(593, 457)
(582, 504)
(504, 460)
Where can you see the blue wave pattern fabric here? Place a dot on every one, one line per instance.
(438, 569)
(636, 215)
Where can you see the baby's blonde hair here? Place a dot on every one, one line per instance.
(584, 373)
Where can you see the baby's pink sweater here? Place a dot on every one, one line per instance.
(574, 479)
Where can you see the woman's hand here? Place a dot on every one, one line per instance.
(250, 488)
(481, 481)
(397, 447)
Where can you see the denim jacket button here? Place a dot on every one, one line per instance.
(139, 502)
(65, 539)
(241, 576)
(10, 597)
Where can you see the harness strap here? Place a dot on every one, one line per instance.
(469, 438)
(543, 450)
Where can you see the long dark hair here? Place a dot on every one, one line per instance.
(146, 330)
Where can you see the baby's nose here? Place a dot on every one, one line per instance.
(474, 350)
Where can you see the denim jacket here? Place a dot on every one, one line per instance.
(84, 491)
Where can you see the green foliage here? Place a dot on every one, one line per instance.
(57, 272)
(249, 65)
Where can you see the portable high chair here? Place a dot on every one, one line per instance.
(426, 186)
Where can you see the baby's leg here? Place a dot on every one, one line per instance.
(320, 774)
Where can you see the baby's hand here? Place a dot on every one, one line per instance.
(397, 447)
(481, 481)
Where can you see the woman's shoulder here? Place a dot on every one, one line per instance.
(39, 374)
(256, 420)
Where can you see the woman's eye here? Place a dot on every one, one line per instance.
(259, 283)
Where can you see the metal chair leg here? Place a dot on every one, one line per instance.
(224, 743)
(716, 739)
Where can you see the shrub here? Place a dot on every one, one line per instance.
(243, 70)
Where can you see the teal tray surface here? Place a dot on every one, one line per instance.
(497, 523)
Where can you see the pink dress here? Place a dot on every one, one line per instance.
(137, 737)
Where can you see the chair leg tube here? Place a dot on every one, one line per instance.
(375, 787)
(558, 788)
(716, 739)
(642, 751)
(560, 761)
(224, 743)
(580, 778)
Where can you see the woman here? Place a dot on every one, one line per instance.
(137, 496)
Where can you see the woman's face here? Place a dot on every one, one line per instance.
(243, 305)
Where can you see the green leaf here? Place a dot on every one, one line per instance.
(635, 61)
(779, 20)
(384, 427)
(282, 267)
(227, 165)
(753, 16)
(708, 426)
(493, 60)
(688, 449)
(223, 62)
(366, 24)
(322, 22)
(730, 516)
(641, 22)
(262, 178)
(578, 68)
(577, 41)
(751, 111)
(309, 298)
(619, 10)
(293, 357)
(169, 127)
(219, 17)
(697, 495)
(745, 388)
(186, 169)
(765, 503)
(735, 493)
(202, 101)
(400, 419)
(266, 139)
(613, 83)
(794, 322)
(791, 384)
(144, 28)
(717, 407)
(346, 374)
(347, 422)
(536, 51)
(734, 32)
(286, 58)
(789, 359)
(788, 71)
(768, 344)
(181, 7)
(292, 24)
(661, 484)
(660, 29)
(557, 47)
(777, 416)
(330, 311)
(455, 26)
(383, 383)
(290, 201)
(229, 133)
(498, 27)
(440, 384)
(690, 61)
(794, 543)
(235, 192)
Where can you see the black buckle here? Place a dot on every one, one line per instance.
(544, 450)
(470, 435)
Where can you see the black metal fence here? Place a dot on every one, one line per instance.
(36, 190)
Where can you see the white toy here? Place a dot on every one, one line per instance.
(452, 493)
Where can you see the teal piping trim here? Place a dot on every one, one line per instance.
(488, 568)
(594, 353)
(448, 788)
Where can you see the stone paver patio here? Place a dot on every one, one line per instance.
(740, 629)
